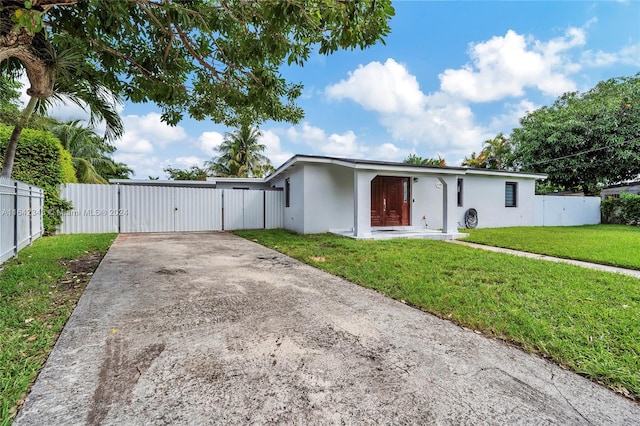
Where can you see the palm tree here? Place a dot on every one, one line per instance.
(76, 81)
(415, 159)
(87, 151)
(494, 155)
(241, 154)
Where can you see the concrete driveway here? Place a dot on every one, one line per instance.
(208, 328)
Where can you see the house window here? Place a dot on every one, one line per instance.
(460, 183)
(510, 194)
(287, 192)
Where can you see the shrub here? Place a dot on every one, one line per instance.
(623, 211)
(42, 161)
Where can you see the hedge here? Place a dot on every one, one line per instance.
(42, 161)
(623, 211)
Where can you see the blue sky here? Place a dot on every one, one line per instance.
(451, 75)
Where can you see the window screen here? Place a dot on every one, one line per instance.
(287, 193)
(510, 194)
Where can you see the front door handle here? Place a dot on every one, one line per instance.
(384, 204)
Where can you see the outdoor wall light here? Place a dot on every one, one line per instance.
(415, 179)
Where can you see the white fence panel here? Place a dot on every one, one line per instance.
(23, 218)
(233, 209)
(139, 208)
(147, 209)
(7, 219)
(253, 209)
(95, 209)
(198, 209)
(274, 209)
(567, 211)
(20, 216)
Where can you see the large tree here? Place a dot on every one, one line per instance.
(75, 81)
(584, 140)
(207, 58)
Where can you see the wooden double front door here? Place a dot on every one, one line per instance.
(390, 201)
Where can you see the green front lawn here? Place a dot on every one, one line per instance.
(585, 320)
(616, 245)
(37, 295)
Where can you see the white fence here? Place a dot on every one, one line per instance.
(138, 208)
(21, 209)
(554, 210)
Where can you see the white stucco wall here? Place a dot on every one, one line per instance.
(329, 198)
(553, 210)
(426, 194)
(294, 214)
(486, 194)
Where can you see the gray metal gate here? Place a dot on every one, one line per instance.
(139, 208)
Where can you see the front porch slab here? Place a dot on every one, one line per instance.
(403, 232)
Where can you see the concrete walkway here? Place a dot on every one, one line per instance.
(208, 328)
(589, 265)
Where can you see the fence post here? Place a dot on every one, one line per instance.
(41, 211)
(15, 220)
(119, 210)
(30, 215)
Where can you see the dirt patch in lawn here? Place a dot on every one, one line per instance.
(67, 290)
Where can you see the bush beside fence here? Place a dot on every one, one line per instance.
(622, 211)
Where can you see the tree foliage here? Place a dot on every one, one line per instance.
(89, 152)
(415, 159)
(43, 162)
(241, 155)
(207, 58)
(193, 173)
(584, 140)
(624, 210)
(495, 154)
(75, 81)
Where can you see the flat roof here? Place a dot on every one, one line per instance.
(391, 165)
(158, 182)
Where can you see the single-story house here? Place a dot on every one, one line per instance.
(356, 197)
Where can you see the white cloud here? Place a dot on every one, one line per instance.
(208, 142)
(273, 148)
(185, 162)
(344, 145)
(437, 121)
(386, 88)
(143, 134)
(628, 55)
(444, 122)
(143, 165)
(339, 145)
(511, 117)
(506, 65)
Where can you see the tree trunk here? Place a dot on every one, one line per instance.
(10, 152)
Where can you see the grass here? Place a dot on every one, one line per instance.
(35, 302)
(585, 320)
(615, 245)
